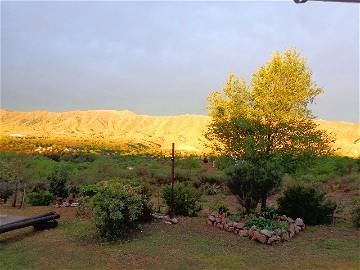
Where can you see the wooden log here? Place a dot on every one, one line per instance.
(35, 221)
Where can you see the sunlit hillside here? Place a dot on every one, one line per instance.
(185, 130)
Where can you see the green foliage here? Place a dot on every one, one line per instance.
(224, 162)
(211, 189)
(233, 217)
(57, 182)
(119, 207)
(307, 203)
(40, 198)
(212, 177)
(355, 213)
(218, 204)
(263, 223)
(187, 163)
(6, 189)
(186, 199)
(89, 190)
(250, 180)
(268, 212)
(268, 118)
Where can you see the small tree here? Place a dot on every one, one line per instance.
(269, 118)
(186, 199)
(307, 203)
(119, 206)
(58, 182)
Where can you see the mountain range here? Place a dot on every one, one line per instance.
(185, 130)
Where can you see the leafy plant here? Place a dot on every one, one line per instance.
(89, 190)
(262, 223)
(307, 203)
(40, 198)
(186, 199)
(119, 207)
(58, 182)
(268, 212)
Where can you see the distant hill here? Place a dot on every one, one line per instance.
(185, 130)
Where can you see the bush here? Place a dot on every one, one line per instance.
(89, 190)
(268, 213)
(307, 203)
(6, 190)
(263, 223)
(186, 199)
(40, 198)
(355, 213)
(212, 177)
(119, 207)
(58, 180)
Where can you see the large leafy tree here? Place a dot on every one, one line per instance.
(268, 118)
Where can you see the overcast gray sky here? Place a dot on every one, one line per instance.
(165, 57)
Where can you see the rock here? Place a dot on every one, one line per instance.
(230, 228)
(283, 218)
(239, 225)
(285, 236)
(297, 229)
(210, 222)
(290, 220)
(222, 218)
(231, 224)
(226, 226)
(267, 232)
(259, 237)
(273, 239)
(236, 230)
(277, 232)
(291, 230)
(167, 222)
(299, 222)
(244, 233)
(251, 232)
(218, 219)
(220, 226)
(174, 220)
(212, 218)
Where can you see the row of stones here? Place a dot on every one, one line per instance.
(263, 236)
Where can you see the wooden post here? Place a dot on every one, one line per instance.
(172, 180)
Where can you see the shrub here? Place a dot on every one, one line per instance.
(212, 177)
(218, 204)
(187, 163)
(40, 198)
(89, 190)
(58, 180)
(159, 176)
(307, 203)
(355, 213)
(184, 175)
(186, 199)
(268, 212)
(6, 190)
(263, 223)
(119, 207)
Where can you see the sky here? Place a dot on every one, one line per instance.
(164, 58)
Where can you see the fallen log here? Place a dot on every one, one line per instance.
(39, 222)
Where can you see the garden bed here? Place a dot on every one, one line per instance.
(281, 228)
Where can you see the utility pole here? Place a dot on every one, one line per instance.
(171, 212)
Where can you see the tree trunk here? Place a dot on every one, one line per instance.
(22, 198)
(15, 195)
(263, 201)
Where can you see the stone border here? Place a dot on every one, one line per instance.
(262, 236)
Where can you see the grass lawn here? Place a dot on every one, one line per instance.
(191, 244)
